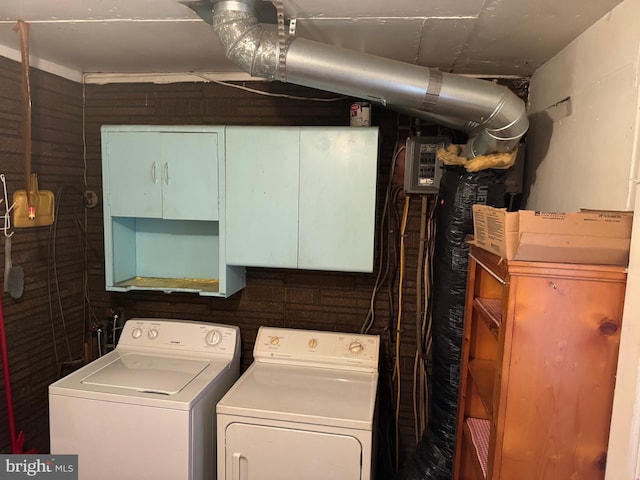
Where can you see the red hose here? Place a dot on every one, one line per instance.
(7, 382)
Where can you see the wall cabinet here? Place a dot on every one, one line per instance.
(301, 197)
(187, 208)
(162, 202)
(538, 369)
(163, 174)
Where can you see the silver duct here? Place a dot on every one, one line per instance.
(493, 116)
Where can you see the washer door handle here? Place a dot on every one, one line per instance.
(237, 472)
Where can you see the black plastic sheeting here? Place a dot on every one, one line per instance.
(459, 190)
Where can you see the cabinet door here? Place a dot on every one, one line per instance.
(337, 198)
(262, 170)
(189, 175)
(131, 171)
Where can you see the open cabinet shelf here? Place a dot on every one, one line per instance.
(476, 435)
(490, 311)
(164, 217)
(539, 359)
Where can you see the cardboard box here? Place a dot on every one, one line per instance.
(591, 237)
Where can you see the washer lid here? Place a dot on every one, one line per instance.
(147, 373)
(321, 396)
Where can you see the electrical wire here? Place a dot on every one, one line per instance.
(403, 228)
(422, 357)
(381, 274)
(268, 94)
(88, 313)
(419, 315)
(53, 230)
(86, 301)
(52, 276)
(387, 262)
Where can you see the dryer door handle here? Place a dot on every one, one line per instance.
(239, 470)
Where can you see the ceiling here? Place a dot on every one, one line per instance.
(478, 37)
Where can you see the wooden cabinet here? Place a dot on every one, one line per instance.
(538, 369)
(164, 210)
(301, 197)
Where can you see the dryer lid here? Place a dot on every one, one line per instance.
(309, 395)
(147, 373)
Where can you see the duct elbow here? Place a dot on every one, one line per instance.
(502, 130)
(492, 115)
(245, 41)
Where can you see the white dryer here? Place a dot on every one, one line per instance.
(303, 410)
(146, 410)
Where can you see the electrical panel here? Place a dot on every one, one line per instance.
(422, 169)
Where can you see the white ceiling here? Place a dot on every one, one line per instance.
(479, 37)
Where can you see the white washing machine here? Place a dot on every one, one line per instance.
(303, 410)
(146, 410)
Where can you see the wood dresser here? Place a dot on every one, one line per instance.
(538, 371)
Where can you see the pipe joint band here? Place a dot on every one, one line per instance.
(431, 96)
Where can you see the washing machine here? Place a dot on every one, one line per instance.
(305, 409)
(146, 410)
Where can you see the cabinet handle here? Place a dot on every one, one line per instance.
(166, 173)
(235, 467)
(153, 173)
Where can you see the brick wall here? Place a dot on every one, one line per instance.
(53, 271)
(275, 297)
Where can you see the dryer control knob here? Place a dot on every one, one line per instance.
(213, 338)
(274, 340)
(136, 332)
(356, 347)
(313, 343)
(152, 334)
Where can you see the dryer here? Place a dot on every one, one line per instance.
(146, 410)
(303, 410)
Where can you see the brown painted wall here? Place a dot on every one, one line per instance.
(275, 297)
(50, 257)
(54, 258)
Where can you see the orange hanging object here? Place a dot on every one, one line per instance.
(32, 207)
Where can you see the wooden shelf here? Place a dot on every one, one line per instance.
(490, 310)
(483, 373)
(184, 284)
(542, 334)
(476, 434)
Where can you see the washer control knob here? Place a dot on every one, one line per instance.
(313, 343)
(356, 347)
(152, 334)
(213, 338)
(274, 340)
(136, 332)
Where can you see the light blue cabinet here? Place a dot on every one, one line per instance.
(301, 197)
(164, 210)
(262, 181)
(163, 174)
(187, 208)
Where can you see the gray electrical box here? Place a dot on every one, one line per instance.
(422, 169)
